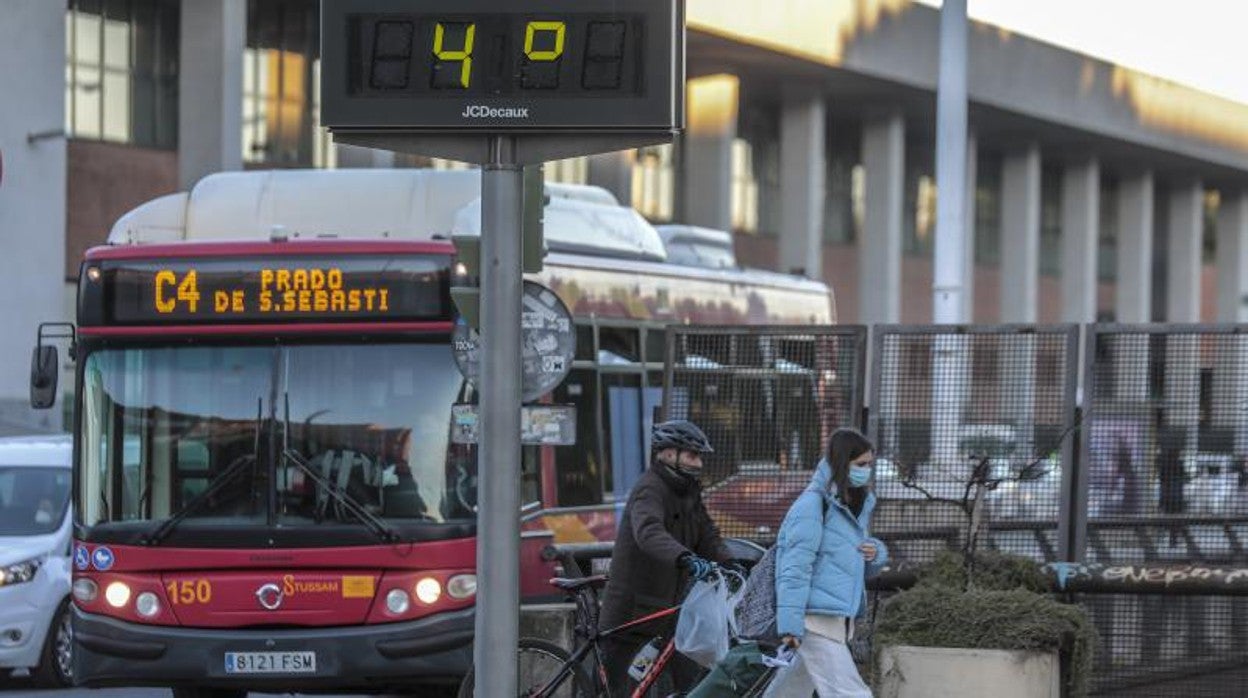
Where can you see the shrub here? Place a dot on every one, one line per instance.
(1005, 609)
(992, 570)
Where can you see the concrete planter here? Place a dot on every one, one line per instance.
(928, 672)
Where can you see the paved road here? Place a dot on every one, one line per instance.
(23, 690)
(128, 693)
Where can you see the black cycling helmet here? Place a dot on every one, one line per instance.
(681, 434)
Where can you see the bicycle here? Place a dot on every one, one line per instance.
(537, 681)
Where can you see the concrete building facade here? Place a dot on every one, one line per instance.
(1099, 193)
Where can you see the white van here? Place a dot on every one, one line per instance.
(35, 541)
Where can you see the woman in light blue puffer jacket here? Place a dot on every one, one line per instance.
(823, 559)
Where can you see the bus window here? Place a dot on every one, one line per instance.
(620, 343)
(628, 412)
(579, 469)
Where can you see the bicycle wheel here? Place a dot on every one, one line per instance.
(539, 662)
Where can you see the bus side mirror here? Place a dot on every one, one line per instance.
(44, 371)
(44, 366)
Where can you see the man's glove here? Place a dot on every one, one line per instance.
(698, 568)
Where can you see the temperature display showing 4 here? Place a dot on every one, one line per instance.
(497, 55)
(395, 68)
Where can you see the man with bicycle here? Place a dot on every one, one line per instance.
(666, 540)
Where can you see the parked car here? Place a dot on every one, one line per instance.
(35, 540)
(1212, 485)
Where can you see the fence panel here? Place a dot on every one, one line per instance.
(1164, 439)
(945, 400)
(767, 397)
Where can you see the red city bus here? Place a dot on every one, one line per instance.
(268, 496)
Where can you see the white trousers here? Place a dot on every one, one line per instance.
(823, 666)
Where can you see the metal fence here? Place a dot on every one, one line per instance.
(947, 400)
(1147, 469)
(768, 397)
(1165, 431)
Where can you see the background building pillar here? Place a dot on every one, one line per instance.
(803, 127)
(1230, 379)
(1184, 243)
(711, 127)
(210, 88)
(1233, 257)
(614, 172)
(32, 202)
(1133, 302)
(1081, 218)
(1020, 268)
(1020, 234)
(884, 159)
(1185, 235)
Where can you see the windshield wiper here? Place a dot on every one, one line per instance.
(216, 485)
(369, 519)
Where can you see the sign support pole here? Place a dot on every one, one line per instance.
(498, 516)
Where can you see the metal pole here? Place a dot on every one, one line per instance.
(951, 224)
(950, 358)
(498, 515)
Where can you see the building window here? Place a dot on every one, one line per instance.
(925, 213)
(1107, 239)
(570, 171)
(654, 182)
(744, 188)
(1212, 201)
(988, 210)
(280, 85)
(918, 216)
(838, 212)
(121, 73)
(1050, 221)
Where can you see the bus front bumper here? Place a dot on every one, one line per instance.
(109, 652)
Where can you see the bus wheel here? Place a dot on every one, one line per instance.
(197, 692)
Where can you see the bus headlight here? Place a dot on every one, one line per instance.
(85, 590)
(397, 602)
(147, 604)
(117, 594)
(428, 590)
(461, 586)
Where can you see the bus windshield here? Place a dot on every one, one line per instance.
(162, 426)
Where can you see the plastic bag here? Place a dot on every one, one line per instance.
(706, 622)
(745, 671)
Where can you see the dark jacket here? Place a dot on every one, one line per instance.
(664, 518)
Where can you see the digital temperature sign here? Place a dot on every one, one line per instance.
(501, 65)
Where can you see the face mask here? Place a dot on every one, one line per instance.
(859, 475)
(43, 517)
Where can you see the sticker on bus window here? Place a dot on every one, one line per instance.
(357, 587)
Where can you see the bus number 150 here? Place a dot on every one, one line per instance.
(189, 591)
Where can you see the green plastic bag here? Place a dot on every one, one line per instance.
(740, 673)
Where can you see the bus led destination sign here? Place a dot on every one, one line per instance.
(312, 289)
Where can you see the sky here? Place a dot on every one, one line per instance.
(1199, 43)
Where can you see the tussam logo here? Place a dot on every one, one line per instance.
(476, 111)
